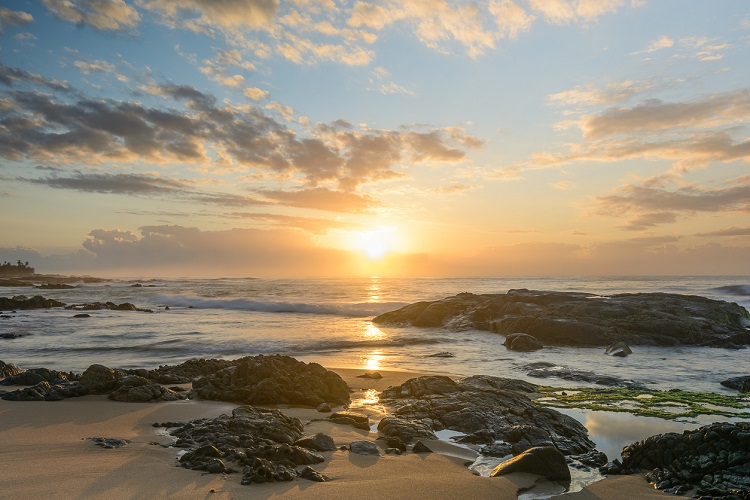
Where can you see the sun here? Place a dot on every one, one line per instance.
(376, 243)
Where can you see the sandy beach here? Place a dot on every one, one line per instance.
(46, 452)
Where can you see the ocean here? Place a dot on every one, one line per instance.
(329, 321)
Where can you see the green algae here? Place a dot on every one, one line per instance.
(670, 405)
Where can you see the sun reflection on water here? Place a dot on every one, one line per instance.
(372, 360)
(373, 291)
(373, 331)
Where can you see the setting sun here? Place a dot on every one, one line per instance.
(376, 243)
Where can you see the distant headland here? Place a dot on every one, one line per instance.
(22, 274)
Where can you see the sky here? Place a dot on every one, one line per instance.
(392, 138)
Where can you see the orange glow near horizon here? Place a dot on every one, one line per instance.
(376, 243)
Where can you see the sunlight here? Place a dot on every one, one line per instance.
(373, 331)
(376, 243)
(372, 361)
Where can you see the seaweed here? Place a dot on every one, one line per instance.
(670, 405)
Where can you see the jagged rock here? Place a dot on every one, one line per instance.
(111, 306)
(545, 461)
(522, 342)
(98, 379)
(285, 453)
(8, 369)
(569, 318)
(317, 442)
(109, 443)
(403, 429)
(442, 354)
(312, 475)
(714, 459)
(420, 447)
(484, 403)
(35, 375)
(364, 448)
(741, 384)
(265, 471)
(371, 375)
(358, 420)
(496, 450)
(619, 349)
(393, 443)
(23, 302)
(273, 380)
(135, 389)
(324, 408)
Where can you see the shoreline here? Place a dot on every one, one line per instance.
(48, 453)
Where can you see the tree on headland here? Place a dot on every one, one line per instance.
(17, 269)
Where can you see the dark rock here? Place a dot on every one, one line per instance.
(98, 379)
(10, 336)
(312, 475)
(394, 442)
(420, 447)
(393, 451)
(498, 449)
(442, 354)
(482, 436)
(405, 430)
(372, 375)
(358, 420)
(111, 306)
(619, 349)
(594, 458)
(82, 315)
(364, 448)
(23, 302)
(485, 404)
(273, 380)
(491, 384)
(135, 389)
(324, 408)
(265, 471)
(35, 375)
(522, 342)
(741, 384)
(569, 318)
(8, 369)
(109, 443)
(285, 454)
(55, 286)
(714, 459)
(565, 373)
(545, 461)
(317, 442)
(524, 437)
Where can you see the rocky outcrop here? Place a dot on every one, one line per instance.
(110, 306)
(715, 459)
(568, 318)
(741, 384)
(8, 369)
(258, 439)
(135, 389)
(544, 369)
(544, 461)
(486, 405)
(35, 375)
(403, 429)
(24, 302)
(273, 380)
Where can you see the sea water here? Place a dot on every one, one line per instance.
(329, 321)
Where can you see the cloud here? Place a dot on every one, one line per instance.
(732, 231)
(255, 93)
(590, 95)
(663, 42)
(650, 204)
(13, 18)
(457, 189)
(113, 183)
(94, 67)
(112, 15)
(10, 76)
(312, 225)
(225, 14)
(322, 199)
(711, 111)
(381, 80)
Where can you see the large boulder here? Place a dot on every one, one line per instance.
(8, 369)
(741, 384)
(98, 379)
(273, 380)
(522, 342)
(544, 461)
(135, 389)
(570, 318)
(403, 429)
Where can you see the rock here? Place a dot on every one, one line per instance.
(619, 349)
(8, 369)
(548, 370)
(98, 379)
(265, 471)
(23, 302)
(742, 384)
(522, 342)
(312, 475)
(570, 318)
(324, 408)
(524, 437)
(484, 404)
(420, 447)
(273, 380)
(135, 389)
(285, 453)
(317, 442)
(109, 443)
(35, 375)
(372, 375)
(442, 354)
(499, 449)
(714, 459)
(355, 419)
(364, 448)
(403, 429)
(111, 306)
(55, 286)
(394, 443)
(544, 461)
(82, 315)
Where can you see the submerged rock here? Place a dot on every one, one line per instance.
(544, 369)
(545, 461)
(569, 318)
(619, 349)
(741, 384)
(486, 404)
(522, 342)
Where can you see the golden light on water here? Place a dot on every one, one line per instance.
(373, 331)
(372, 360)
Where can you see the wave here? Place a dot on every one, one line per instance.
(355, 310)
(734, 289)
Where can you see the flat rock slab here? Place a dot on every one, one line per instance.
(583, 319)
(544, 461)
